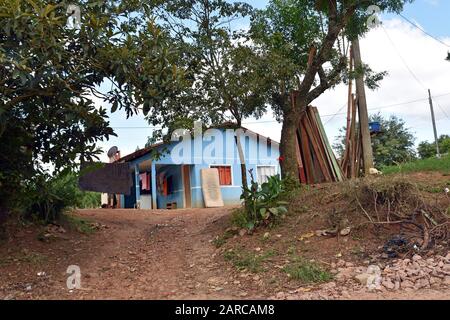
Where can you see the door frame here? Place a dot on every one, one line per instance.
(187, 194)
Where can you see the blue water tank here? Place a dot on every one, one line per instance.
(375, 127)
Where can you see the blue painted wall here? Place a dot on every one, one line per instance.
(257, 152)
(177, 195)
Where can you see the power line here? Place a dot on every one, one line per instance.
(334, 116)
(390, 105)
(442, 109)
(403, 60)
(424, 31)
(327, 115)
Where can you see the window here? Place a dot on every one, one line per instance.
(224, 175)
(264, 172)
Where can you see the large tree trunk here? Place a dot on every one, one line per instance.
(288, 148)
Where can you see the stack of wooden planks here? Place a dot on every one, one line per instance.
(316, 160)
(352, 160)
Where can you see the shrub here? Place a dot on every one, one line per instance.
(262, 203)
(46, 197)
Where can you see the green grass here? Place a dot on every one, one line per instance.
(247, 260)
(307, 272)
(441, 165)
(239, 218)
(33, 258)
(81, 225)
(219, 241)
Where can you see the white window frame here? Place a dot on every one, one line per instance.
(265, 166)
(231, 171)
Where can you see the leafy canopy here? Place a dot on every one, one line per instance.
(428, 150)
(51, 74)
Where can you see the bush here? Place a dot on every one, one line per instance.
(262, 203)
(46, 197)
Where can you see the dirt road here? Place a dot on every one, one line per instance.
(137, 255)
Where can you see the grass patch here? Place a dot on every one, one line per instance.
(307, 272)
(24, 257)
(441, 165)
(239, 218)
(81, 225)
(219, 241)
(244, 260)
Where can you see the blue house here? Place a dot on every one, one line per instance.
(168, 175)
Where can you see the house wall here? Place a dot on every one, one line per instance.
(255, 154)
(178, 191)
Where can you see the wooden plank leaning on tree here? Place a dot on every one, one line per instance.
(336, 165)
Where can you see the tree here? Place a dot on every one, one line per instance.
(50, 74)
(428, 150)
(224, 74)
(395, 143)
(306, 42)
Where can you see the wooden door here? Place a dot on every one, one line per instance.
(187, 187)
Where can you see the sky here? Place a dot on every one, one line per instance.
(415, 62)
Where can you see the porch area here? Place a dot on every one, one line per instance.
(159, 186)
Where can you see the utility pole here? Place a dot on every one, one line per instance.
(436, 139)
(363, 113)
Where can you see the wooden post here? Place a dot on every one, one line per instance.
(154, 193)
(350, 95)
(433, 119)
(138, 188)
(363, 113)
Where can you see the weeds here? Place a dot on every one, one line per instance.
(397, 201)
(307, 272)
(25, 256)
(80, 224)
(244, 260)
(219, 241)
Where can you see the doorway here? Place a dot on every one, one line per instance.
(187, 186)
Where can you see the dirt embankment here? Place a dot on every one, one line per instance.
(193, 254)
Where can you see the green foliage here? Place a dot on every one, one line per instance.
(45, 198)
(296, 38)
(285, 32)
(307, 272)
(244, 260)
(262, 202)
(24, 256)
(79, 224)
(224, 75)
(51, 74)
(220, 240)
(428, 150)
(240, 218)
(441, 165)
(395, 144)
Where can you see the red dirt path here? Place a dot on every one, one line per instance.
(140, 255)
